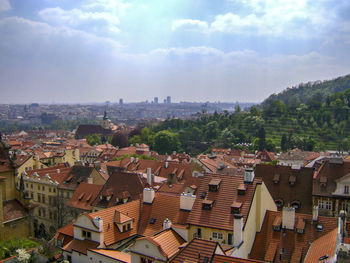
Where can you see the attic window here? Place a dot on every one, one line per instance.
(276, 178)
(319, 227)
(292, 179)
(207, 204)
(300, 226)
(323, 181)
(236, 207)
(279, 203)
(276, 226)
(203, 195)
(214, 184)
(81, 196)
(153, 220)
(241, 189)
(296, 204)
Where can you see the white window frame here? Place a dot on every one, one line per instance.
(215, 235)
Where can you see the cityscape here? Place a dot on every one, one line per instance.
(175, 131)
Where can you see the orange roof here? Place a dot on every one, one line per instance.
(220, 216)
(168, 242)
(84, 195)
(111, 231)
(268, 242)
(80, 246)
(196, 251)
(227, 259)
(322, 246)
(57, 173)
(120, 256)
(164, 206)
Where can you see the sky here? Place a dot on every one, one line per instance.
(60, 51)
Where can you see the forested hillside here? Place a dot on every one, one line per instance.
(310, 117)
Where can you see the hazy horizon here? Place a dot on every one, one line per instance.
(71, 52)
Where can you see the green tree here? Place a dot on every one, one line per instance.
(284, 143)
(262, 139)
(94, 139)
(166, 142)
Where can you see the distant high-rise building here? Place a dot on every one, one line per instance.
(155, 99)
(168, 99)
(121, 101)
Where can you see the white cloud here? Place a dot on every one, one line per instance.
(190, 25)
(77, 18)
(4, 5)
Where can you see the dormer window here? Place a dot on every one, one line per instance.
(241, 189)
(323, 181)
(292, 179)
(214, 184)
(207, 204)
(276, 226)
(279, 203)
(276, 178)
(346, 189)
(296, 204)
(236, 207)
(86, 234)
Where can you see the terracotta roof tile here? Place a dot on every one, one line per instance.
(277, 181)
(120, 256)
(84, 195)
(164, 206)
(220, 216)
(322, 246)
(80, 246)
(227, 259)
(195, 251)
(13, 210)
(288, 241)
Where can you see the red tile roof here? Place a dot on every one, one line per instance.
(57, 173)
(80, 246)
(269, 243)
(111, 230)
(196, 251)
(110, 253)
(84, 195)
(12, 210)
(164, 206)
(325, 245)
(220, 216)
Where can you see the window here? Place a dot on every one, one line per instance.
(32, 195)
(38, 187)
(50, 215)
(320, 204)
(43, 188)
(54, 190)
(39, 211)
(129, 226)
(145, 260)
(39, 197)
(220, 236)
(124, 228)
(346, 189)
(43, 199)
(215, 235)
(50, 189)
(26, 185)
(345, 206)
(31, 186)
(86, 234)
(44, 212)
(328, 205)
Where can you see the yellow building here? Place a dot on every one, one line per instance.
(230, 210)
(14, 215)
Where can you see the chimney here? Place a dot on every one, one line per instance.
(97, 165)
(249, 175)
(131, 159)
(237, 230)
(148, 195)
(58, 171)
(315, 213)
(343, 232)
(90, 180)
(187, 201)
(166, 164)
(99, 223)
(149, 176)
(288, 218)
(136, 159)
(166, 224)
